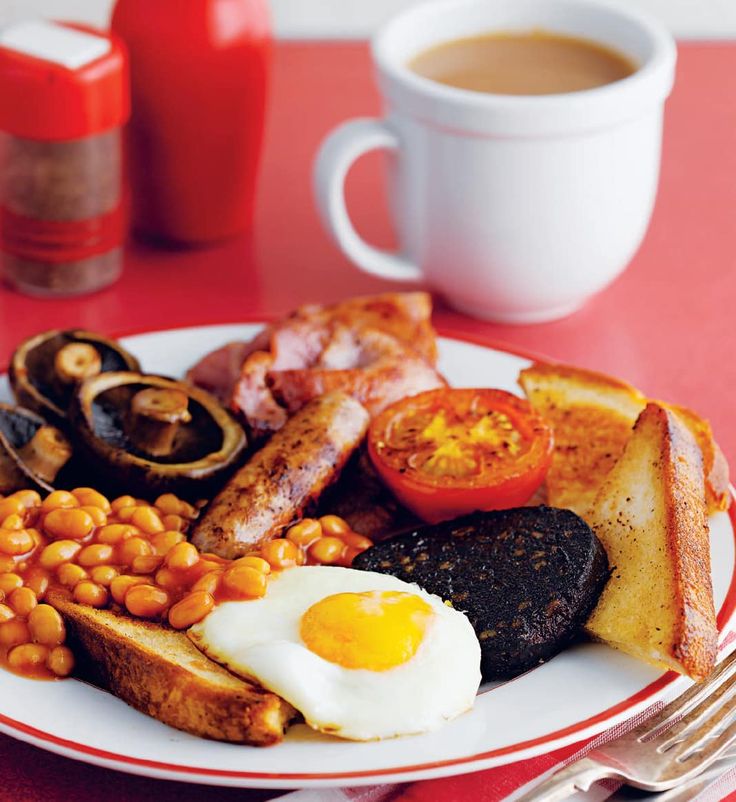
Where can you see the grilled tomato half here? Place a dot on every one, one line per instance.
(448, 452)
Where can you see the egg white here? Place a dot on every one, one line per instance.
(260, 640)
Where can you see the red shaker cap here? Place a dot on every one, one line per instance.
(61, 81)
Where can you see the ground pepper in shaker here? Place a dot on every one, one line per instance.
(64, 96)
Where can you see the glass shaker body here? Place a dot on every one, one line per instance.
(199, 71)
(64, 98)
(61, 213)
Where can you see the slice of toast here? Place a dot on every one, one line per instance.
(650, 515)
(592, 415)
(160, 672)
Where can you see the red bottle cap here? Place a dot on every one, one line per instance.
(61, 81)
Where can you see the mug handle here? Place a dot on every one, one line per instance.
(338, 152)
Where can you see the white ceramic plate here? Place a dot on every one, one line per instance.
(580, 692)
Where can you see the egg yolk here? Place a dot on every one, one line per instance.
(376, 630)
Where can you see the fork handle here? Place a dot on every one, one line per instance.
(578, 776)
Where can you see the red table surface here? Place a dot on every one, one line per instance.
(666, 325)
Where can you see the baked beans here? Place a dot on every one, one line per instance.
(120, 586)
(46, 626)
(191, 609)
(95, 554)
(15, 542)
(22, 601)
(182, 557)
(333, 525)
(37, 580)
(210, 582)
(89, 497)
(60, 661)
(327, 550)
(96, 514)
(244, 582)
(68, 523)
(132, 547)
(147, 601)
(13, 521)
(122, 501)
(146, 563)
(104, 575)
(28, 658)
(163, 542)
(58, 553)
(255, 562)
(280, 553)
(70, 574)
(305, 532)
(133, 555)
(90, 593)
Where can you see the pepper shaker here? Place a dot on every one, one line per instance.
(199, 72)
(64, 97)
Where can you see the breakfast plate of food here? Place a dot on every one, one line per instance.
(337, 549)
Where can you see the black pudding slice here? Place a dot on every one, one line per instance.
(527, 578)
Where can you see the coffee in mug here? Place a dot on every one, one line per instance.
(534, 63)
(514, 207)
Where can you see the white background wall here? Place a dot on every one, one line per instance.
(357, 18)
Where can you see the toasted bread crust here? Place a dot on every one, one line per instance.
(696, 640)
(650, 515)
(161, 673)
(550, 374)
(717, 487)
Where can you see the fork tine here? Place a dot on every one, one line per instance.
(707, 741)
(685, 703)
(696, 754)
(709, 713)
(687, 736)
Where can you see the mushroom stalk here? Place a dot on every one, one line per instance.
(76, 362)
(46, 453)
(156, 414)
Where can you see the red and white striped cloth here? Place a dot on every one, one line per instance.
(506, 783)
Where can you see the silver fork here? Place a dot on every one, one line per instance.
(668, 749)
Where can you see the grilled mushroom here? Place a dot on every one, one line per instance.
(45, 369)
(32, 453)
(149, 435)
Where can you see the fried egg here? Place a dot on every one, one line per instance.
(361, 655)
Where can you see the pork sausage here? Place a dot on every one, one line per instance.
(284, 478)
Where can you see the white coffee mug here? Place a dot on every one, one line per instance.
(514, 208)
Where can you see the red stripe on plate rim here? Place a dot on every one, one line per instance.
(724, 615)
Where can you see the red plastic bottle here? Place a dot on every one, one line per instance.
(199, 72)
